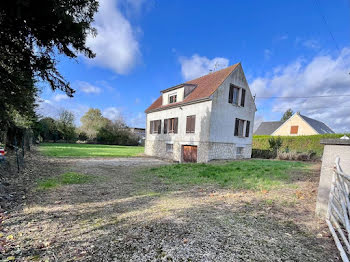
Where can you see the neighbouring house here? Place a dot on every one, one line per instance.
(140, 133)
(207, 118)
(296, 125)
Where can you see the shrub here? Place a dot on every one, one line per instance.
(82, 136)
(296, 143)
(263, 153)
(298, 156)
(275, 143)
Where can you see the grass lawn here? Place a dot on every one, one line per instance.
(88, 150)
(69, 178)
(249, 174)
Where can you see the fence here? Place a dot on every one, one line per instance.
(339, 211)
(14, 159)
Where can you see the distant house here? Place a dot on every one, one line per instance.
(296, 125)
(207, 118)
(139, 132)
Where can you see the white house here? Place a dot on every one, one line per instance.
(207, 118)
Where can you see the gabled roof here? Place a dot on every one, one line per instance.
(205, 87)
(319, 126)
(267, 128)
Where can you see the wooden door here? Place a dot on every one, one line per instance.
(190, 154)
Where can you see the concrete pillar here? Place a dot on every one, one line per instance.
(332, 149)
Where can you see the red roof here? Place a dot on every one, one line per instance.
(206, 86)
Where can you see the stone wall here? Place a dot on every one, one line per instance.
(205, 151)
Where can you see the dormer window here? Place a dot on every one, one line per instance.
(172, 98)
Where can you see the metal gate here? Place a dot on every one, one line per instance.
(339, 211)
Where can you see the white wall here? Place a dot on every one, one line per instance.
(223, 114)
(201, 110)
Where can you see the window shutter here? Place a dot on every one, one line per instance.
(175, 125)
(294, 130)
(188, 122)
(166, 125)
(159, 126)
(236, 126)
(247, 129)
(243, 97)
(193, 123)
(151, 127)
(230, 95)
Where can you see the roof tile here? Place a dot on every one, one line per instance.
(206, 86)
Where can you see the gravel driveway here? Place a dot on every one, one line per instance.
(127, 216)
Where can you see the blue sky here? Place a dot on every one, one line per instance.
(142, 47)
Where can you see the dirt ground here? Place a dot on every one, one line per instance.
(127, 216)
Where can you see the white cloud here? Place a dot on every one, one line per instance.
(312, 44)
(115, 45)
(282, 37)
(88, 88)
(112, 113)
(138, 120)
(323, 75)
(60, 97)
(257, 121)
(267, 54)
(196, 66)
(137, 100)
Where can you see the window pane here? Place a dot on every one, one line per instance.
(241, 126)
(243, 97)
(235, 95)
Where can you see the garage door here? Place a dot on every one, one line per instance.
(190, 153)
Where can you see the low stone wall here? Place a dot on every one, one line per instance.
(206, 151)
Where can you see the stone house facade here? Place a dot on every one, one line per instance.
(207, 118)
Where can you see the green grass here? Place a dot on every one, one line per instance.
(69, 178)
(250, 174)
(88, 150)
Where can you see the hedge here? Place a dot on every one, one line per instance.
(296, 143)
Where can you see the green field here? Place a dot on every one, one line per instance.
(88, 150)
(249, 174)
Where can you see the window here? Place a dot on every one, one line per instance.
(243, 97)
(170, 125)
(239, 126)
(172, 99)
(155, 127)
(190, 124)
(239, 150)
(294, 130)
(233, 95)
(247, 128)
(169, 148)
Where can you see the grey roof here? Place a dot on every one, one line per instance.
(267, 128)
(319, 126)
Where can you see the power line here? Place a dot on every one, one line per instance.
(326, 23)
(285, 108)
(296, 97)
